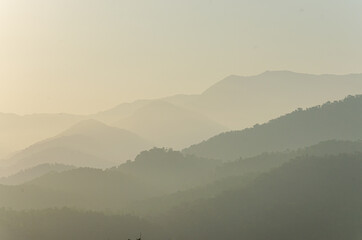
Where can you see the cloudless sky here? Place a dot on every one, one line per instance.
(82, 56)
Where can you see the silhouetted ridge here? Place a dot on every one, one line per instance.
(338, 120)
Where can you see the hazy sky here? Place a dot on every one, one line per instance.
(81, 56)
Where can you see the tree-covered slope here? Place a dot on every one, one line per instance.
(309, 198)
(338, 120)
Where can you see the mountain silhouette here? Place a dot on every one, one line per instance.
(35, 172)
(238, 102)
(169, 125)
(87, 144)
(337, 120)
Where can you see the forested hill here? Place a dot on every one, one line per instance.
(333, 120)
(310, 198)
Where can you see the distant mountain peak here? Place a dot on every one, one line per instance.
(91, 126)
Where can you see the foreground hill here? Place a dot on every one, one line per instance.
(155, 182)
(337, 120)
(169, 125)
(238, 174)
(309, 198)
(86, 144)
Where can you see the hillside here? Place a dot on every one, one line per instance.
(152, 174)
(224, 105)
(242, 101)
(271, 94)
(169, 169)
(337, 120)
(35, 172)
(155, 182)
(271, 160)
(82, 188)
(169, 125)
(18, 132)
(238, 174)
(309, 198)
(86, 144)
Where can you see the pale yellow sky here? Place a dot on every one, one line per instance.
(88, 55)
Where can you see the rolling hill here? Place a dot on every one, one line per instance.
(272, 93)
(309, 198)
(35, 172)
(169, 169)
(87, 144)
(18, 132)
(333, 120)
(169, 125)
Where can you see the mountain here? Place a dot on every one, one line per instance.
(225, 105)
(271, 94)
(338, 120)
(308, 198)
(157, 181)
(153, 173)
(87, 144)
(236, 175)
(18, 132)
(120, 111)
(35, 172)
(169, 125)
(239, 102)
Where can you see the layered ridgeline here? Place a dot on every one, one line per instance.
(225, 105)
(18, 132)
(34, 172)
(238, 174)
(169, 125)
(336, 120)
(237, 102)
(154, 183)
(153, 173)
(87, 144)
(309, 198)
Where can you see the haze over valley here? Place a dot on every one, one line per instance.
(180, 120)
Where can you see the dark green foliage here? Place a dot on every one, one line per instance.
(338, 120)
